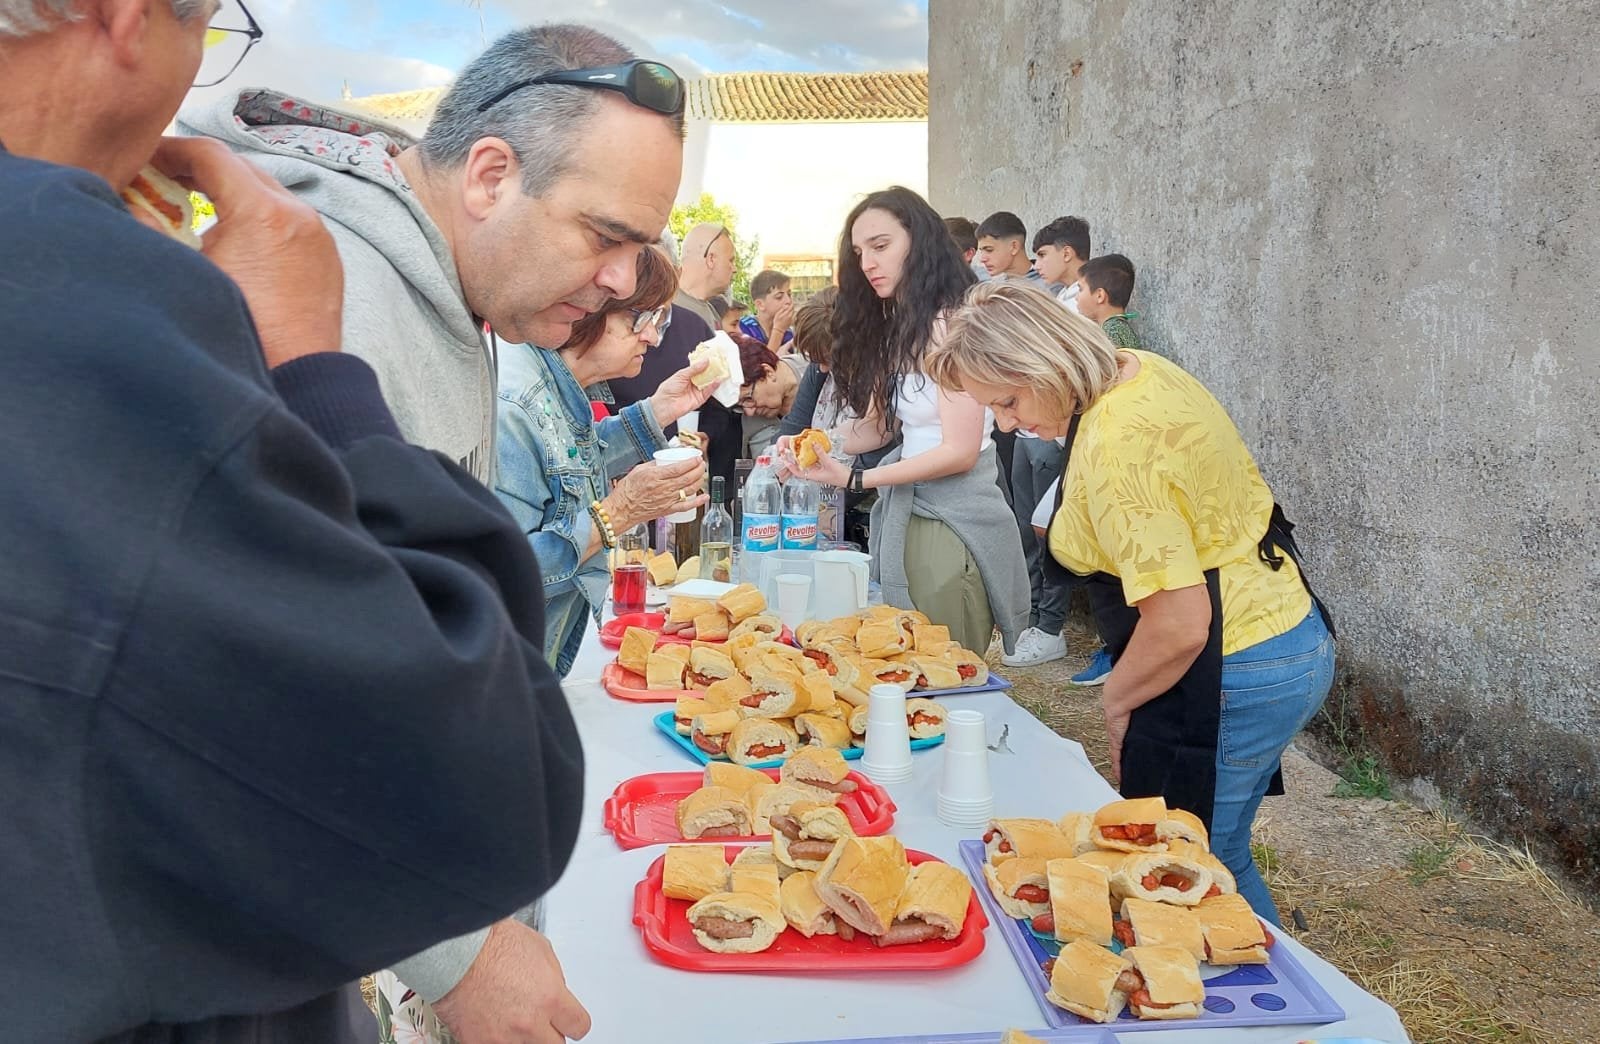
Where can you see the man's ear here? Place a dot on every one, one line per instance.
(126, 25)
(490, 173)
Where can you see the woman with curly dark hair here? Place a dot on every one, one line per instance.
(943, 538)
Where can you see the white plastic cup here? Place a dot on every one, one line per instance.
(794, 597)
(689, 423)
(677, 455)
(887, 757)
(966, 795)
(965, 731)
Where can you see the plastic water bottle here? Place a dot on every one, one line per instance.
(802, 501)
(762, 509)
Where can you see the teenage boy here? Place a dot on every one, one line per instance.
(965, 233)
(774, 308)
(1002, 247)
(1105, 285)
(732, 312)
(1060, 249)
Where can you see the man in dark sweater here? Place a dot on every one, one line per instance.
(233, 600)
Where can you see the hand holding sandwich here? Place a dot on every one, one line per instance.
(678, 395)
(514, 993)
(269, 243)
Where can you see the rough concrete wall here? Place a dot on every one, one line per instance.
(1370, 227)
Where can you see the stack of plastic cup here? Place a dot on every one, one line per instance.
(966, 798)
(887, 757)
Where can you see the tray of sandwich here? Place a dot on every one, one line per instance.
(710, 734)
(884, 645)
(869, 905)
(732, 803)
(714, 618)
(1123, 917)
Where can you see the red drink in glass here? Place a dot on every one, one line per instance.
(627, 589)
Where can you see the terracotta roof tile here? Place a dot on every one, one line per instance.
(743, 98)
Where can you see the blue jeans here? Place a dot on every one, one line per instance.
(1269, 692)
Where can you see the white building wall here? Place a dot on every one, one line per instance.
(793, 183)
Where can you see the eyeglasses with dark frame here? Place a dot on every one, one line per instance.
(723, 231)
(218, 35)
(649, 85)
(660, 318)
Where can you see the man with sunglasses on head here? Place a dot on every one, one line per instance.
(233, 597)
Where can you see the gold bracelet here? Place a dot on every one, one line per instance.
(602, 520)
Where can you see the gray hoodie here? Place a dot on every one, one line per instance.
(404, 312)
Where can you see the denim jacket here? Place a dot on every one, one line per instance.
(551, 461)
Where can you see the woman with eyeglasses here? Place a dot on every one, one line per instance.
(767, 395)
(944, 540)
(1222, 652)
(554, 464)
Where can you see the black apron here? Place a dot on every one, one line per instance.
(1170, 750)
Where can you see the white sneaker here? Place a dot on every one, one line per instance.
(1035, 647)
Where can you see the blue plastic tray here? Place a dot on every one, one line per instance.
(664, 723)
(995, 683)
(1278, 993)
(1085, 1034)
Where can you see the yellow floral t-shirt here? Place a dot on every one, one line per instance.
(1160, 489)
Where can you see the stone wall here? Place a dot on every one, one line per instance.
(1371, 228)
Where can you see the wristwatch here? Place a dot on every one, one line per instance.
(855, 481)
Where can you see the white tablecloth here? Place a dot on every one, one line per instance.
(634, 999)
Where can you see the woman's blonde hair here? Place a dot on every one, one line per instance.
(1013, 335)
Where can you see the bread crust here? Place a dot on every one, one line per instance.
(1080, 902)
(1084, 981)
(692, 872)
(1157, 924)
(862, 881)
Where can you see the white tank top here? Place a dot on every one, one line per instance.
(916, 405)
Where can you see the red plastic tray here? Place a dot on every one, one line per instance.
(665, 926)
(612, 630)
(642, 810)
(625, 685)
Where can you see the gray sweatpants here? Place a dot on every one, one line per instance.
(1036, 465)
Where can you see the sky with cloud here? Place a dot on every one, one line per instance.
(314, 47)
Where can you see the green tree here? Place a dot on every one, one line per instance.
(745, 252)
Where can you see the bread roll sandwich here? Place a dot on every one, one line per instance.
(726, 694)
(1037, 838)
(847, 625)
(742, 602)
(933, 674)
(925, 718)
(711, 732)
(810, 446)
(881, 638)
(1088, 980)
(1130, 825)
(819, 771)
(754, 878)
(689, 568)
(803, 837)
(892, 672)
(910, 618)
(1232, 932)
(736, 778)
(825, 656)
(736, 922)
(663, 569)
(823, 730)
(804, 909)
(1019, 886)
(972, 668)
(1146, 923)
(713, 812)
(742, 648)
(1183, 826)
(857, 719)
(1076, 827)
(929, 638)
(768, 627)
(712, 626)
(707, 666)
(681, 612)
(165, 203)
(932, 906)
(685, 710)
(693, 872)
(1080, 903)
(783, 694)
(665, 668)
(756, 740)
(1104, 861)
(754, 855)
(771, 799)
(716, 370)
(1222, 882)
(1163, 877)
(862, 881)
(880, 612)
(1169, 986)
(634, 654)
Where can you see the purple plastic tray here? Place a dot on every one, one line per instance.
(1278, 993)
(1081, 1034)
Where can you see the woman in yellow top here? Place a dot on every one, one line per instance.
(1221, 655)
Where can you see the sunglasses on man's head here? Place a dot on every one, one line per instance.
(649, 85)
(723, 231)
